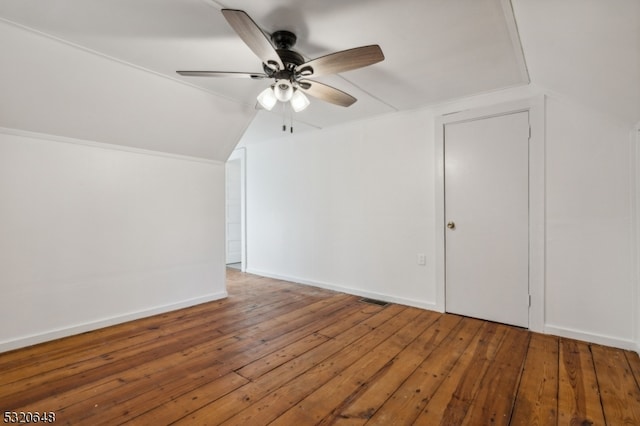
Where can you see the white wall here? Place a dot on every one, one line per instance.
(351, 206)
(589, 277)
(92, 234)
(347, 208)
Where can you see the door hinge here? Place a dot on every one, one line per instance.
(529, 131)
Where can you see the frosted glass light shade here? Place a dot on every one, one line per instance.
(299, 101)
(267, 98)
(283, 90)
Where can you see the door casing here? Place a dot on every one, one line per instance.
(535, 107)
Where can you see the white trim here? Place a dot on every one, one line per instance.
(33, 339)
(590, 337)
(535, 107)
(241, 154)
(440, 219)
(348, 290)
(634, 154)
(514, 34)
(102, 145)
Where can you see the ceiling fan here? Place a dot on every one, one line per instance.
(289, 69)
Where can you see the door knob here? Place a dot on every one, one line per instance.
(451, 225)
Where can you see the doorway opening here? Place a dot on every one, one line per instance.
(235, 212)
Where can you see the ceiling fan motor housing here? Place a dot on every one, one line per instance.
(284, 41)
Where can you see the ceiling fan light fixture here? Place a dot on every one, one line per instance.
(290, 69)
(299, 101)
(283, 90)
(267, 98)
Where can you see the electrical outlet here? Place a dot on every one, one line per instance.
(422, 259)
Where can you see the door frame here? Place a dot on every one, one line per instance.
(635, 244)
(241, 154)
(536, 107)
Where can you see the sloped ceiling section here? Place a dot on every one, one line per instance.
(586, 49)
(435, 50)
(51, 87)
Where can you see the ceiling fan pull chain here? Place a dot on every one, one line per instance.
(284, 118)
(291, 120)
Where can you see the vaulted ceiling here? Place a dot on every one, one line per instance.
(435, 50)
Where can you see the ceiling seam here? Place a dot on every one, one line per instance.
(369, 93)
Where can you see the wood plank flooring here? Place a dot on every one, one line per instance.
(284, 354)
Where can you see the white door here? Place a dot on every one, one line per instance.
(233, 211)
(487, 217)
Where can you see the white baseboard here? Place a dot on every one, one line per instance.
(46, 336)
(349, 290)
(592, 337)
(548, 329)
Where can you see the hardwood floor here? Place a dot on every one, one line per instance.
(284, 354)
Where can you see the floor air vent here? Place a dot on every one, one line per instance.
(374, 301)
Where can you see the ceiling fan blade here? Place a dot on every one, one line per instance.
(326, 93)
(253, 37)
(253, 75)
(344, 60)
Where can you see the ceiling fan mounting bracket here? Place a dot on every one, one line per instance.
(283, 39)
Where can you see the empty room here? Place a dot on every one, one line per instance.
(251, 213)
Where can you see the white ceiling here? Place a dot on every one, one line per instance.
(436, 50)
(588, 50)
